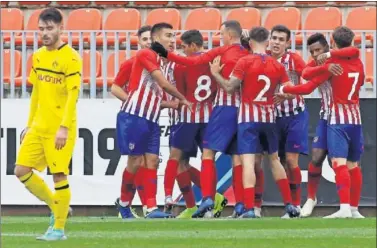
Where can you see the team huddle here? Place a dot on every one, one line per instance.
(239, 99)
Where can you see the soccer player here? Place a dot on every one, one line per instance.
(224, 114)
(292, 119)
(258, 75)
(344, 130)
(140, 130)
(197, 84)
(120, 90)
(50, 135)
(318, 48)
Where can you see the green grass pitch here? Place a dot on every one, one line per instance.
(89, 232)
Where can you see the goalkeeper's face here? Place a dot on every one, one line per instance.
(49, 32)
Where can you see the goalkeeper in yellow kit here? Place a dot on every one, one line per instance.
(50, 135)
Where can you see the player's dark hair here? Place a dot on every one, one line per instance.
(159, 26)
(282, 29)
(234, 26)
(192, 36)
(343, 36)
(259, 34)
(317, 37)
(143, 29)
(51, 14)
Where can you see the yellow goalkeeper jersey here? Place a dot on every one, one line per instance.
(56, 79)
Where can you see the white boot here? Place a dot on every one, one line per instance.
(343, 212)
(308, 207)
(356, 214)
(258, 212)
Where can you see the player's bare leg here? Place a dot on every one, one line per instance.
(128, 188)
(281, 180)
(184, 182)
(314, 176)
(150, 183)
(343, 185)
(259, 185)
(208, 182)
(356, 186)
(170, 176)
(248, 179)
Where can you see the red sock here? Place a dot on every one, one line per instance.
(150, 184)
(195, 176)
(249, 197)
(314, 176)
(127, 190)
(295, 185)
(285, 192)
(184, 182)
(170, 175)
(356, 185)
(207, 177)
(259, 188)
(343, 183)
(139, 184)
(237, 183)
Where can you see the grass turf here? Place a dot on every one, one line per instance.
(87, 232)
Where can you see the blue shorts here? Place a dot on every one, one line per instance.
(293, 133)
(345, 141)
(137, 135)
(188, 137)
(221, 132)
(320, 139)
(257, 137)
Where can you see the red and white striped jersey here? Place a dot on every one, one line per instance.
(145, 94)
(230, 54)
(294, 66)
(168, 70)
(261, 75)
(199, 87)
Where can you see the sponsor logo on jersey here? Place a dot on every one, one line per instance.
(49, 79)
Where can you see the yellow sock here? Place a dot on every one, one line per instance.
(39, 188)
(62, 199)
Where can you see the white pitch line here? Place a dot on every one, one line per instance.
(367, 233)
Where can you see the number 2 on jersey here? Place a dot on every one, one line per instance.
(206, 86)
(260, 97)
(355, 76)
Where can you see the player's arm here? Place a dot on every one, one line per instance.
(235, 79)
(304, 89)
(187, 61)
(170, 104)
(34, 96)
(343, 53)
(73, 82)
(121, 80)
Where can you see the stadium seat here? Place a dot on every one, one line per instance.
(32, 25)
(190, 2)
(25, 3)
(111, 2)
(369, 65)
(73, 2)
(248, 17)
(310, 3)
(151, 2)
(83, 19)
(11, 19)
(130, 20)
(362, 18)
(288, 16)
(171, 16)
(203, 19)
(230, 2)
(7, 65)
(331, 17)
(86, 65)
(268, 2)
(350, 2)
(29, 63)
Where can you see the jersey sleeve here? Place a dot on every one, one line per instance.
(305, 89)
(124, 73)
(33, 73)
(347, 52)
(73, 71)
(299, 64)
(239, 70)
(204, 58)
(312, 72)
(148, 60)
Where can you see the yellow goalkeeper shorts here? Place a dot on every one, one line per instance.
(39, 152)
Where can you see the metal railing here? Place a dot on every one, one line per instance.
(26, 42)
